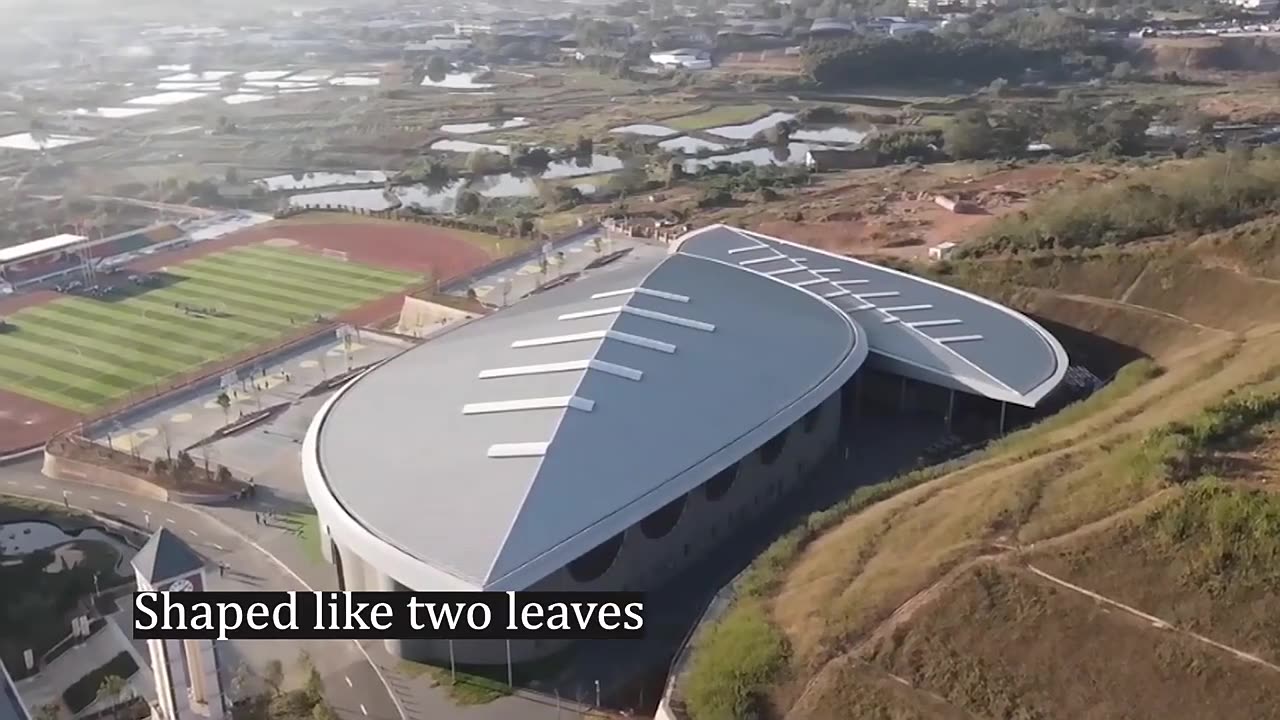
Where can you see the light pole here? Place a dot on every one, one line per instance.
(597, 693)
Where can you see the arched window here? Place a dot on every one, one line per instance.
(664, 519)
(597, 561)
(718, 486)
(770, 451)
(811, 419)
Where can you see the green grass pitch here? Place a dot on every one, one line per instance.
(82, 353)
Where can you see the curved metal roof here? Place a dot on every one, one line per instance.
(494, 454)
(915, 326)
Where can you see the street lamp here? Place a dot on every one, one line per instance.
(597, 693)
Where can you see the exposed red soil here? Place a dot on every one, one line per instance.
(410, 246)
(25, 422)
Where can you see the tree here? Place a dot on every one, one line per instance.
(224, 402)
(185, 464)
(232, 176)
(322, 711)
(315, 687)
(113, 689)
(48, 711)
(273, 675)
(468, 202)
(968, 136)
(585, 147)
(223, 475)
(487, 162)
(437, 68)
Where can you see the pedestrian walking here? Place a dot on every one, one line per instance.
(222, 569)
(257, 518)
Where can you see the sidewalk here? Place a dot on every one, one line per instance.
(47, 685)
(418, 696)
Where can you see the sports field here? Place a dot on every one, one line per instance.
(83, 353)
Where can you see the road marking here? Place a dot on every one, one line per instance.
(94, 497)
(194, 533)
(40, 487)
(366, 712)
(344, 677)
(215, 545)
(12, 482)
(122, 504)
(170, 521)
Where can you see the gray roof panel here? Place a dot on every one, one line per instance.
(992, 348)
(403, 460)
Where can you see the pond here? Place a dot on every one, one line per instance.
(311, 180)
(24, 538)
(690, 145)
(442, 199)
(459, 81)
(26, 141)
(166, 98)
(355, 81)
(837, 134)
(466, 146)
(114, 113)
(793, 154)
(642, 129)
(748, 131)
(243, 98)
(479, 127)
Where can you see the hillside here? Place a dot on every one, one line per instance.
(965, 592)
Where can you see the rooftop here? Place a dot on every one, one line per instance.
(165, 556)
(516, 443)
(955, 338)
(35, 248)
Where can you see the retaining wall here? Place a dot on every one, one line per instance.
(79, 471)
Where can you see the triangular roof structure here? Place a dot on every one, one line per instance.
(165, 556)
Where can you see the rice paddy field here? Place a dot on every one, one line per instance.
(82, 353)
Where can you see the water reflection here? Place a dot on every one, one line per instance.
(790, 154)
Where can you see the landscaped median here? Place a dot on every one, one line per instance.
(177, 480)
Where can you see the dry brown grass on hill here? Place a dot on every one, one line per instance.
(1008, 644)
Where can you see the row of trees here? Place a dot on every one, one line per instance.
(1045, 42)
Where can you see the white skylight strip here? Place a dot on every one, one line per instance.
(958, 338)
(628, 338)
(850, 282)
(908, 308)
(544, 403)
(672, 319)
(543, 369)
(642, 291)
(836, 294)
(885, 294)
(609, 368)
(758, 261)
(815, 281)
(518, 450)
(784, 271)
(621, 371)
(641, 341)
(591, 313)
(748, 248)
(560, 339)
(935, 323)
(828, 271)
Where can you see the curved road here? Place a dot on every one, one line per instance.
(351, 683)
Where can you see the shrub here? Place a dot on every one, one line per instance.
(82, 693)
(737, 657)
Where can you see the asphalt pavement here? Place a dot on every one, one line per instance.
(351, 683)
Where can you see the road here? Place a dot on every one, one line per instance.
(353, 687)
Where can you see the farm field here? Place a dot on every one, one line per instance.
(81, 353)
(715, 117)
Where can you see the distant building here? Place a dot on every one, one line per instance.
(687, 58)
(841, 159)
(830, 27)
(942, 251)
(1261, 6)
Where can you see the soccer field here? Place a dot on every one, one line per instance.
(82, 353)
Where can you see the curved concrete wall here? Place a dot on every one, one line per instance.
(641, 563)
